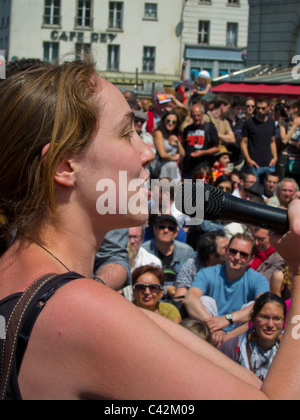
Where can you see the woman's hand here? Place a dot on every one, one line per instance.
(288, 245)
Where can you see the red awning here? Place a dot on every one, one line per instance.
(256, 90)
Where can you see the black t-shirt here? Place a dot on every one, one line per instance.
(259, 136)
(198, 137)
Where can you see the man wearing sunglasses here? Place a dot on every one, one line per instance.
(230, 287)
(258, 143)
(173, 254)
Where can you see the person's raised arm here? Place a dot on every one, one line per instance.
(285, 368)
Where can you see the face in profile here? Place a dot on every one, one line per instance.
(114, 164)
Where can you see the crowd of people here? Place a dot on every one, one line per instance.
(127, 288)
(215, 273)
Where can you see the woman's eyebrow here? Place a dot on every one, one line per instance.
(127, 118)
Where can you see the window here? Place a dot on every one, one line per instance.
(149, 60)
(51, 52)
(113, 57)
(84, 14)
(52, 12)
(203, 36)
(232, 35)
(81, 50)
(233, 2)
(115, 15)
(150, 11)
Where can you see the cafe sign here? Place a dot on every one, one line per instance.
(95, 37)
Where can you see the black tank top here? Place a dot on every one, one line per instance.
(35, 308)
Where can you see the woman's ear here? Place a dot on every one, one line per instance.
(64, 173)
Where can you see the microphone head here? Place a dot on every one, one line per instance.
(200, 198)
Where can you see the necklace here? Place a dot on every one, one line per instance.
(57, 259)
(50, 253)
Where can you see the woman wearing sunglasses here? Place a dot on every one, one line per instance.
(168, 144)
(148, 288)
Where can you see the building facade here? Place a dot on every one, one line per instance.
(127, 37)
(215, 35)
(133, 41)
(274, 32)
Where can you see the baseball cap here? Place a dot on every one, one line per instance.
(204, 74)
(164, 217)
(140, 115)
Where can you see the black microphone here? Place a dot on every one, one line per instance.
(218, 205)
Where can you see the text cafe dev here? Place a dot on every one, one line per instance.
(79, 37)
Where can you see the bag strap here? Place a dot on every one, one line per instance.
(13, 328)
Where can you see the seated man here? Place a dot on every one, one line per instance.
(231, 286)
(285, 193)
(266, 260)
(246, 181)
(211, 250)
(173, 254)
(270, 183)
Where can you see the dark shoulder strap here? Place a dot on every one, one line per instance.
(13, 327)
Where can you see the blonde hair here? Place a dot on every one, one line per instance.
(47, 104)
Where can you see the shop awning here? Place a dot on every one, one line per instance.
(258, 89)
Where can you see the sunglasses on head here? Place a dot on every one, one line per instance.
(153, 287)
(170, 228)
(234, 252)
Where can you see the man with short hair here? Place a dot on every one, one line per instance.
(200, 142)
(286, 190)
(231, 286)
(211, 250)
(258, 143)
(266, 260)
(246, 181)
(270, 184)
(173, 254)
(218, 117)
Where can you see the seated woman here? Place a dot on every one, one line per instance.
(148, 288)
(257, 347)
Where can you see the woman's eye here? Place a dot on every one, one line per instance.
(130, 134)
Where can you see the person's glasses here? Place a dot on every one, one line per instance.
(174, 122)
(141, 287)
(135, 238)
(225, 189)
(261, 108)
(264, 319)
(170, 228)
(250, 106)
(234, 252)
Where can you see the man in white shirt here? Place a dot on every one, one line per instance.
(137, 254)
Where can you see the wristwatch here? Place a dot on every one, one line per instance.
(229, 318)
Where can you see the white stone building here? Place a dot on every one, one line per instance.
(215, 35)
(144, 40)
(126, 37)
